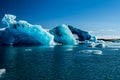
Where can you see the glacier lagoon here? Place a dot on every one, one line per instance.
(60, 62)
(63, 53)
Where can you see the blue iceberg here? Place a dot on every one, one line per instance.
(82, 35)
(63, 35)
(23, 33)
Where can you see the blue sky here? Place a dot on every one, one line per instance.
(100, 17)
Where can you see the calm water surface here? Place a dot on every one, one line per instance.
(60, 63)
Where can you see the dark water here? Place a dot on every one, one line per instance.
(59, 63)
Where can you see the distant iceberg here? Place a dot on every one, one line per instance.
(23, 33)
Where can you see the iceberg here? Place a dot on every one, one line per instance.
(82, 35)
(63, 35)
(23, 33)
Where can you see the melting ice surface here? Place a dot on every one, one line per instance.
(23, 33)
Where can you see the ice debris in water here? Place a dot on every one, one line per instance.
(99, 52)
(28, 49)
(101, 45)
(89, 43)
(115, 49)
(95, 44)
(100, 41)
(82, 35)
(2, 72)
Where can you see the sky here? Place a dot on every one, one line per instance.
(99, 17)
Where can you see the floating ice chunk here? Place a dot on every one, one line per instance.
(2, 72)
(92, 44)
(115, 49)
(63, 35)
(89, 43)
(70, 49)
(101, 45)
(100, 41)
(28, 50)
(99, 52)
(93, 38)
